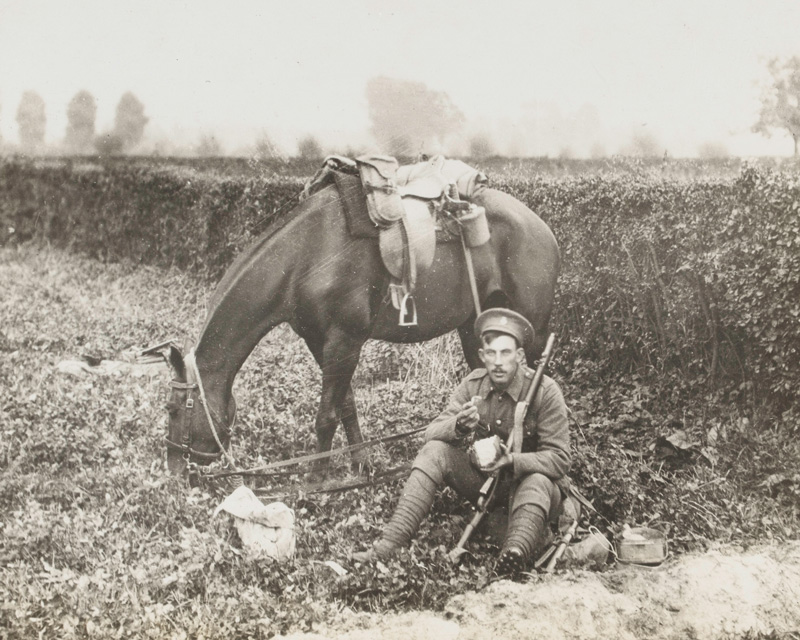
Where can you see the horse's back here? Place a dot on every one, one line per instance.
(508, 215)
(528, 257)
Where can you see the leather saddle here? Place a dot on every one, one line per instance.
(404, 204)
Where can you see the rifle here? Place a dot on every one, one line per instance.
(514, 443)
(556, 550)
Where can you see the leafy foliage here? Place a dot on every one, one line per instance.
(309, 148)
(208, 146)
(129, 120)
(406, 116)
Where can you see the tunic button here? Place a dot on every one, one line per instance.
(499, 421)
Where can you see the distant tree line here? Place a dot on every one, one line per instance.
(80, 136)
(409, 119)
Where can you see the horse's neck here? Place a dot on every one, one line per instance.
(241, 314)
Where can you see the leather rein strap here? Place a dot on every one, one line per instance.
(185, 445)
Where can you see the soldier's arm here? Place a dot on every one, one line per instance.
(444, 425)
(552, 457)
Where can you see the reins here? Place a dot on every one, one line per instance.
(266, 470)
(190, 360)
(185, 446)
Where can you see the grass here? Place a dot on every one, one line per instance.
(96, 540)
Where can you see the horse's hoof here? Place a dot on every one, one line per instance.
(316, 477)
(361, 468)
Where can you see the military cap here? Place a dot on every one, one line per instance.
(505, 321)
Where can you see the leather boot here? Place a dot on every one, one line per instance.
(525, 528)
(413, 506)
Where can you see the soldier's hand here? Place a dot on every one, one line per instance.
(506, 459)
(467, 418)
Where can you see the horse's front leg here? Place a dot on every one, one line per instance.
(338, 361)
(349, 418)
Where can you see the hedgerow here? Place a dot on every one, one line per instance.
(694, 279)
(147, 213)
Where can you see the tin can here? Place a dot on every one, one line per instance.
(642, 545)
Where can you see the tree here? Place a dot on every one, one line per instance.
(643, 145)
(480, 146)
(408, 116)
(130, 121)
(309, 148)
(266, 148)
(32, 121)
(780, 102)
(109, 144)
(81, 113)
(208, 147)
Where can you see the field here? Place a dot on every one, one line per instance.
(97, 540)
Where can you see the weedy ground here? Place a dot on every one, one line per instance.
(96, 540)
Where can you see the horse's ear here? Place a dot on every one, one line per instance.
(177, 363)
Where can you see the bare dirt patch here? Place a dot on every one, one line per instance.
(726, 592)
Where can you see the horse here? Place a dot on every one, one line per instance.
(331, 288)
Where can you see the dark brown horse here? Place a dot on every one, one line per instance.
(332, 289)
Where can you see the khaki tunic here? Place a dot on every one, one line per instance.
(545, 444)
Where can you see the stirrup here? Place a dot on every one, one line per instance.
(408, 308)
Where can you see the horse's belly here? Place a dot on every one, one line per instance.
(443, 301)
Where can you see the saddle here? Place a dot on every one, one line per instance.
(409, 209)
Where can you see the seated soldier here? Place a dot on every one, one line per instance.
(534, 481)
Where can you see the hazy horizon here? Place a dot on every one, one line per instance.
(572, 79)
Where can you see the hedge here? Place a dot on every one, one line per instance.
(147, 212)
(701, 278)
(697, 280)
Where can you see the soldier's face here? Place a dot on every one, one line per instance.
(501, 357)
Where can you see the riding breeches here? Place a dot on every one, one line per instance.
(448, 465)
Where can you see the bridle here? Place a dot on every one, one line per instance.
(196, 388)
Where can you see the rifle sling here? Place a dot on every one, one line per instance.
(520, 411)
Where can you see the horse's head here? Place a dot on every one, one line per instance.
(196, 432)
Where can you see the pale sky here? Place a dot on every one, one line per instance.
(684, 71)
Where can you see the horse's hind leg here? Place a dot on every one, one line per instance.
(470, 342)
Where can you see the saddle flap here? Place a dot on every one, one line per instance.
(414, 238)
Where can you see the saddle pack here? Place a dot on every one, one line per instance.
(409, 209)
